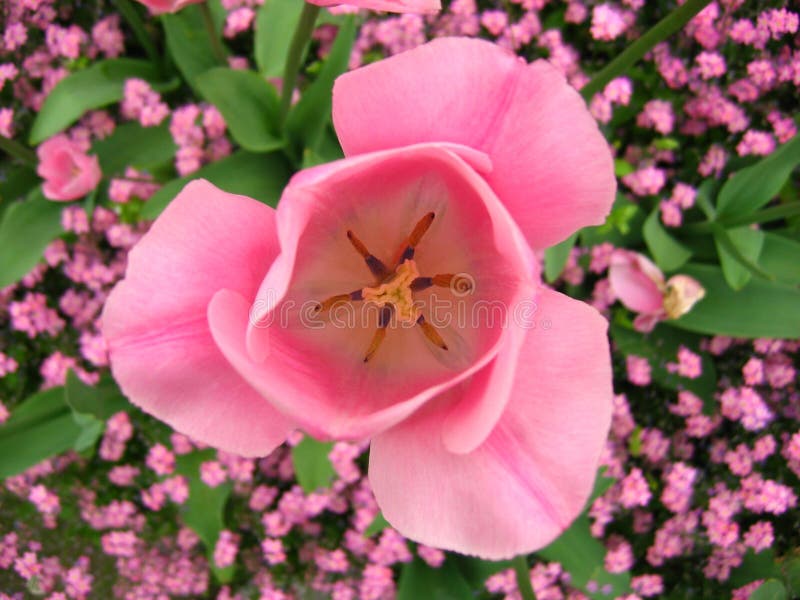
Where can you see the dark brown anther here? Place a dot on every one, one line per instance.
(431, 333)
(383, 322)
(375, 265)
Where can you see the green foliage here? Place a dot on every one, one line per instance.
(25, 231)
(101, 400)
(378, 524)
(40, 427)
(189, 43)
(204, 510)
(418, 580)
(751, 188)
(668, 253)
(772, 589)
(312, 467)
(555, 258)
(275, 23)
(738, 249)
(307, 119)
(779, 258)
(248, 103)
(260, 176)
(99, 85)
(132, 145)
(582, 556)
(762, 309)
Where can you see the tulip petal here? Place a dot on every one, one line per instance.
(533, 475)
(162, 352)
(636, 281)
(552, 167)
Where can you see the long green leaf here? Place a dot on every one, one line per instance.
(555, 258)
(307, 119)
(582, 557)
(779, 257)
(132, 145)
(188, 42)
(204, 510)
(275, 22)
(101, 400)
(41, 427)
(418, 580)
(26, 230)
(738, 250)
(668, 253)
(312, 467)
(249, 104)
(762, 309)
(751, 188)
(99, 85)
(260, 176)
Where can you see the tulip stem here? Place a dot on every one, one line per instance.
(16, 150)
(633, 53)
(302, 34)
(523, 573)
(213, 34)
(129, 13)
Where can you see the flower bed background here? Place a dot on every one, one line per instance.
(698, 496)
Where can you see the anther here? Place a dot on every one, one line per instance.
(375, 265)
(419, 230)
(380, 334)
(329, 303)
(431, 333)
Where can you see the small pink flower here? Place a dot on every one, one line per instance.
(640, 286)
(68, 172)
(394, 6)
(317, 316)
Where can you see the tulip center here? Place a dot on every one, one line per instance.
(397, 292)
(393, 291)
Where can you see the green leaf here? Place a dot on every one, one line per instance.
(91, 430)
(755, 566)
(275, 24)
(26, 230)
(131, 145)
(771, 589)
(419, 580)
(475, 570)
(101, 400)
(188, 42)
(779, 258)
(378, 524)
(312, 466)
(762, 309)
(40, 427)
(249, 104)
(260, 176)
(307, 119)
(99, 85)
(751, 188)
(15, 183)
(668, 253)
(582, 557)
(791, 574)
(555, 258)
(745, 242)
(203, 512)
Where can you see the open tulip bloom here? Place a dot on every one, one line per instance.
(394, 295)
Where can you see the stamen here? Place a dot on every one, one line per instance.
(431, 333)
(328, 303)
(380, 334)
(375, 265)
(407, 253)
(456, 282)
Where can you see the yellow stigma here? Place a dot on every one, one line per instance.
(397, 292)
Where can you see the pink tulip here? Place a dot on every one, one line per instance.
(640, 286)
(159, 7)
(67, 170)
(394, 295)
